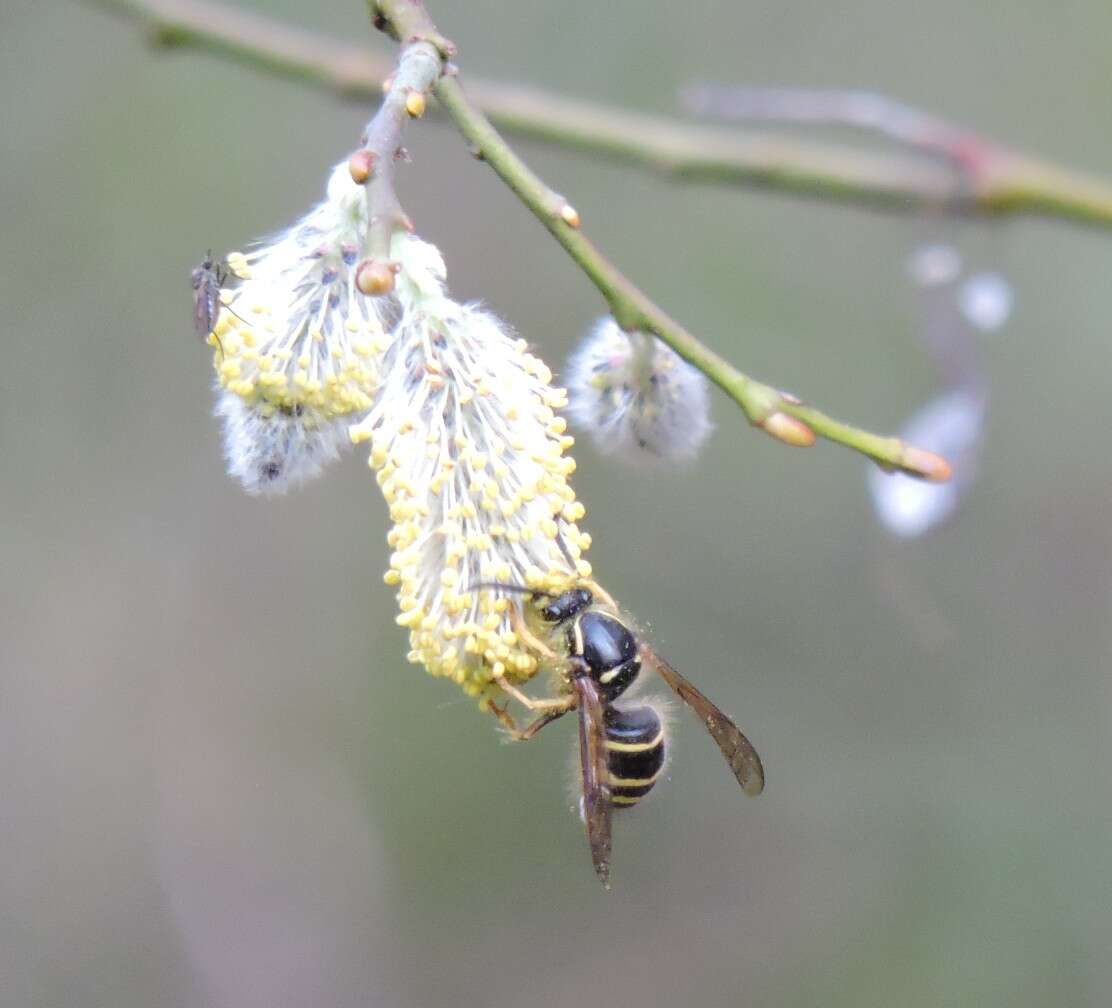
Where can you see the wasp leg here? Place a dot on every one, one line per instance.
(601, 594)
(527, 636)
(531, 729)
(561, 704)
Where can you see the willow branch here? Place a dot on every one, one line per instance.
(419, 65)
(783, 416)
(1008, 182)
(778, 413)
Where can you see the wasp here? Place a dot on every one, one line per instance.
(621, 751)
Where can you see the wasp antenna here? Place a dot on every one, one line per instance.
(520, 589)
(564, 549)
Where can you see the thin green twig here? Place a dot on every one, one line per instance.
(764, 405)
(781, 415)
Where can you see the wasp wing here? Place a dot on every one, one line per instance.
(738, 750)
(597, 807)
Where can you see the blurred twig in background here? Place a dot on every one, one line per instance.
(967, 152)
(1008, 182)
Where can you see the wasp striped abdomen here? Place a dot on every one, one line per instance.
(634, 752)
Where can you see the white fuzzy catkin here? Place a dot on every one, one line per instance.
(952, 425)
(272, 451)
(296, 344)
(469, 453)
(636, 397)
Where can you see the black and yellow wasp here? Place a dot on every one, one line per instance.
(621, 750)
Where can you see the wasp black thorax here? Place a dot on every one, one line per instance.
(605, 647)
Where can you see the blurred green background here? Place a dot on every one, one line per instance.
(220, 783)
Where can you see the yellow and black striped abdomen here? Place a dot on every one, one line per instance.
(634, 752)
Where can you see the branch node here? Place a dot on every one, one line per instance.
(629, 317)
(445, 46)
(407, 21)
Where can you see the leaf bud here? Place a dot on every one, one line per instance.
(569, 215)
(788, 429)
(374, 277)
(925, 464)
(360, 165)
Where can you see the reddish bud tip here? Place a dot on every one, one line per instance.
(924, 464)
(415, 104)
(789, 430)
(361, 164)
(569, 215)
(374, 277)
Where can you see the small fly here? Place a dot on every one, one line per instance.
(207, 279)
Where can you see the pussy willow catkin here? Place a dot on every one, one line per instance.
(460, 418)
